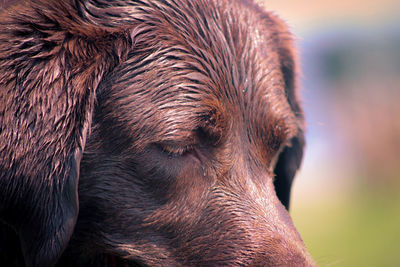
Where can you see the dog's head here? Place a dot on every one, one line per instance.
(182, 118)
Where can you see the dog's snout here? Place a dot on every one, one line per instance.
(276, 242)
(287, 241)
(271, 237)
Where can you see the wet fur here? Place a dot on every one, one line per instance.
(179, 119)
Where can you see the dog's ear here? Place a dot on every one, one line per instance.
(286, 167)
(50, 66)
(291, 156)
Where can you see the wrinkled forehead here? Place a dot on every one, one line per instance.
(174, 78)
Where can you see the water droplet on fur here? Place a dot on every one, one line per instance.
(204, 170)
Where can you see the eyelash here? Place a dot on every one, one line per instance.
(175, 150)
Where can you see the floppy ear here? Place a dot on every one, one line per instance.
(49, 71)
(286, 167)
(291, 156)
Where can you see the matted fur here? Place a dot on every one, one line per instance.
(174, 116)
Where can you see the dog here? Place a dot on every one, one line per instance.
(148, 133)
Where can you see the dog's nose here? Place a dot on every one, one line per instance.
(268, 235)
(284, 246)
(273, 238)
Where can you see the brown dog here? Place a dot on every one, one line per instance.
(175, 116)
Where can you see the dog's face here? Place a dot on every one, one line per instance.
(196, 134)
(179, 167)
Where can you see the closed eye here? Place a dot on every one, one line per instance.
(175, 149)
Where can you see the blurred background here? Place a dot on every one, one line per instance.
(346, 197)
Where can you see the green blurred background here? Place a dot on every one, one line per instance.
(346, 198)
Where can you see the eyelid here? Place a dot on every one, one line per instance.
(175, 149)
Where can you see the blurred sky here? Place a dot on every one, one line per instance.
(307, 15)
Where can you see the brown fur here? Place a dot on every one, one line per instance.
(174, 115)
